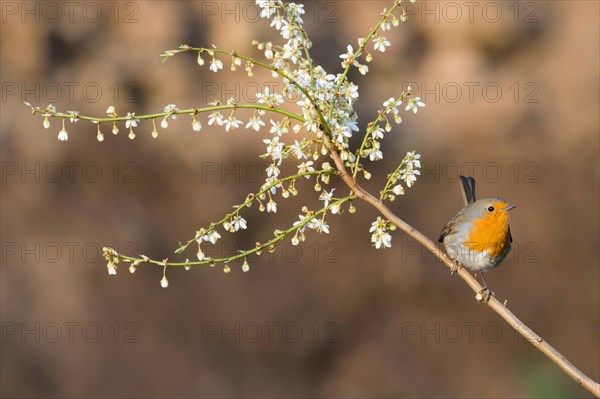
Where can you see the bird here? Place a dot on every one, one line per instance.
(478, 237)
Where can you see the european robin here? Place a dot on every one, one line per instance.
(478, 236)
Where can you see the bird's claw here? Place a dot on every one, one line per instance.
(454, 268)
(484, 295)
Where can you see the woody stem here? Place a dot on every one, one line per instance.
(493, 303)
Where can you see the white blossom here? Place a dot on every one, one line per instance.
(326, 197)
(212, 237)
(255, 122)
(376, 154)
(216, 64)
(306, 167)
(414, 104)
(74, 116)
(232, 123)
(268, 8)
(278, 128)
(274, 148)
(171, 108)
(63, 135)
(272, 170)
(409, 175)
(298, 222)
(319, 225)
(412, 159)
(272, 206)
(392, 104)
(131, 121)
(112, 268)
(380, 237)
(278, 22)
(377, 133)
(196, 125)
(380, 43)
(348, 57)
(238, 223)
(268, 98)
(216, 117)
(164, 282)
(297, 150)
(291, 53)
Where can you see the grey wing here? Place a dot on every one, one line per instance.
(445, 231)
(449, 227)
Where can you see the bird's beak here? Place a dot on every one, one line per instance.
(509, 207)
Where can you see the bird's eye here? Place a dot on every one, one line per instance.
(491, 209)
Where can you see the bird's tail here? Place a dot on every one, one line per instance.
(468, 189)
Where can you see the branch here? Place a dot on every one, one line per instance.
(360, 50)
(114, 257)
(493, 303)
(371, 127)
(191, 111)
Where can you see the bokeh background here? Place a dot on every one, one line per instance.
(512, 95)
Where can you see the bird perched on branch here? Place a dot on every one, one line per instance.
(478, 237)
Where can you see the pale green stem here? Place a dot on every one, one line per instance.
(258, 248)
(359, 51)
(250, 198)
(270, 68)
(388, 183)
(190, 111)
(370, 130)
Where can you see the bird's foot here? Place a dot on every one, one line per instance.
(484, 295)
(454, 267)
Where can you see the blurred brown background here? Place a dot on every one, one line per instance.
(511, 91)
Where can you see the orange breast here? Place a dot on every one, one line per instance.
(489, 233)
